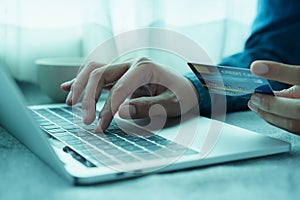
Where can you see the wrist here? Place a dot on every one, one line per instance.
(202, 93)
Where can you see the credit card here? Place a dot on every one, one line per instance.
(230, 81)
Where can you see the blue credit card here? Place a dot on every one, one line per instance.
(230, 81)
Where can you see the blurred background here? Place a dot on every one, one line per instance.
(32, 29)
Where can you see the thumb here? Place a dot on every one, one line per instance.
(142, 107)
(277, 71)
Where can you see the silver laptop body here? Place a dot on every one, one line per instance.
(56, 134)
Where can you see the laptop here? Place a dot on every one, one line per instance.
(57, 135)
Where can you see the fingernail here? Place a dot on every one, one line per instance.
(65, 84)
(256, 99)
(260, 68)
(252, 106)
(84, 113)
(98, 128)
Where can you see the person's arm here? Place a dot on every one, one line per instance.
(274, 37)
(203, 95)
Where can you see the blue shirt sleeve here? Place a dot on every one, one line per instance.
(274, 37)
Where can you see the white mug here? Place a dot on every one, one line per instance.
(52, 72)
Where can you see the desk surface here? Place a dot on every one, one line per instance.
(24, 176)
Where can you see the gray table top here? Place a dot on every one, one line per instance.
(24, 176)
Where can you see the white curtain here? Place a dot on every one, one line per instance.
(32, 29)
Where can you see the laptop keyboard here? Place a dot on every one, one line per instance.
(113, 147)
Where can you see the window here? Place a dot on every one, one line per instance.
(31, 29)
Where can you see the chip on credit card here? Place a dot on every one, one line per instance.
(230, 81)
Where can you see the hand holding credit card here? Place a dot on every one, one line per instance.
(230, 81)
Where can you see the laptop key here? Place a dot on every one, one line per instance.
(152, 147)
(148, 156)
(74, 142)
(47, 127)
(56, 131)
(163, 142)
(98, 142)
(114, 152)
(127, 159)
(131, 148)
(66, 138)
(59, 133)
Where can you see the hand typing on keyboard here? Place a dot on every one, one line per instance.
(130, 79)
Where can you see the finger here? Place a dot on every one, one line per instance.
(292, 92)
(123, 88)
(289, 74)
(291, 125)
(80, 82)
(105, 116)
(130, 82)
(284, 107)
(66, 86)
(98, 79)
(284, 93)
(82, 79)
(88, 103)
